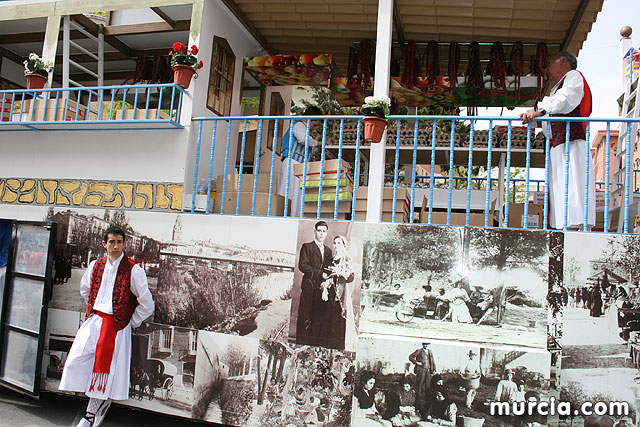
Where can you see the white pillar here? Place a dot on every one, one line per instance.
(625, 47)
(380, 87)
(51, 42)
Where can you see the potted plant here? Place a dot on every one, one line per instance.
(36, 71)
(375, 109)
(184, 63)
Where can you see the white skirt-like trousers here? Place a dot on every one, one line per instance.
(78, 368)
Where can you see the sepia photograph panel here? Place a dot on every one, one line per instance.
(402, 382)
(326, 294)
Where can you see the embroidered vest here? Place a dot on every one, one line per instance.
(124, 301)
(296, 150)
(577, 130)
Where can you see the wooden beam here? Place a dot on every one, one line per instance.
(397, 22)
(6, 53)
(577, 17)
(35, 37)
(112, 56)
(149, 28)
(92, 28)
(166, 18)
(233, 8)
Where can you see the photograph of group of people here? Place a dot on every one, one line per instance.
(472, 284)
(413, 383)
(601, 323)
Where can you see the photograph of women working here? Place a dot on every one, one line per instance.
(429, 384)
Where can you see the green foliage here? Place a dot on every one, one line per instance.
(235, 402)
(498, 248)
(251, 101)
(624, 255)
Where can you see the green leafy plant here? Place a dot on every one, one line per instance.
(180, 55)
(35, 65)
(376, 106)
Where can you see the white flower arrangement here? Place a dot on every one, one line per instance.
(376, 106)
(35, 65)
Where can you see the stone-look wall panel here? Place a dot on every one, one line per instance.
(87, 193)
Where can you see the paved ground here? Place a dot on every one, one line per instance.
(17, 410)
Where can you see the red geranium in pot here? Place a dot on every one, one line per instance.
(375, 109)
(184, 63)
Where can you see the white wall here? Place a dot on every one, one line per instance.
(127, 155)
(217, 21)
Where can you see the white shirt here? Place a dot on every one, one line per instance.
(565, 99)
(321, 247)
(104, 299)
(300, 134)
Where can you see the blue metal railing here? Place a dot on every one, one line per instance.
(97, 105)
(488, 142)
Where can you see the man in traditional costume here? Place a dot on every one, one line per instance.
(570, 97)
(118, 299)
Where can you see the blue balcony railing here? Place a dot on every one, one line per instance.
(145, 106)
(461, 144)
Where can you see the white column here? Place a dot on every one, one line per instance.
(66, 37)
(625, 47)
(51, 42)
(381, 87)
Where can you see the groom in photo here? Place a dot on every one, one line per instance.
(315, 258)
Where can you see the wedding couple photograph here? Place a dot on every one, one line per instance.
(326, 293)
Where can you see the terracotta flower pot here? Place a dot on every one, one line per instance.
(182, 75)
(35, 81)
(374, 128)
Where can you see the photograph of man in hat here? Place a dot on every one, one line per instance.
(424, 366)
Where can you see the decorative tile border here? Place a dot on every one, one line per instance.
(88, 193)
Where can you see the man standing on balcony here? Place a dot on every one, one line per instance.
(293, 153)
(118, 299)
(570, 97)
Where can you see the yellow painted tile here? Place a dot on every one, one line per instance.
(116, 203)
(28, 185)
(102, 187)
(127, 192)
(140, 202)
(67, 186)
(41, 196)
(147, 190)
(50, 187)
(9, 195)
(176, 196)
(78, 195)
(61, 199)
(13, 183)
(162, 201)
(93, 200)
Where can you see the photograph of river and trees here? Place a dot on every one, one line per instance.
(471, 284)
(237, 283)
(601, 324)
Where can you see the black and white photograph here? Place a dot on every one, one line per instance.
(163, 362)
(454, 283)
(62, 326)
(326, 295)
(232, 275)
(409, 382)
(249, 260)
(601, 324)
(302, 385)
(225, 383)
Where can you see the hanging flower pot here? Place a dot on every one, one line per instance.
(35, 81)
(182, 75)
(374, 128)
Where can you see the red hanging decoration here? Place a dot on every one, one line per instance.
(432, 62)
(542, 62)
(496, 68)
(409, 75)
(454, 63)
(517, 65)
(473, 75)
(365, 54)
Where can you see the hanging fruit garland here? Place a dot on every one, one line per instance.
(409, 75)
(542, 61)
(365, 54)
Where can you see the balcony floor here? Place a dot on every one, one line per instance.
(91, 125)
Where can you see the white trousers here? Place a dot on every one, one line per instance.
(78, 368)
(295, 192)
(577, 164)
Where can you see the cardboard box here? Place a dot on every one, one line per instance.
(246, 200)
(247, 183)
(51, 114)
(387, 193)
(200, 204)
(403, 201)
(152, 114)
(329, 216)
(328, 189)
(315, 183)
(330, 170)
(328, 207)
(386, 216)
(439, 216)
(5, 108)
(328, 197)
(516, 215)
